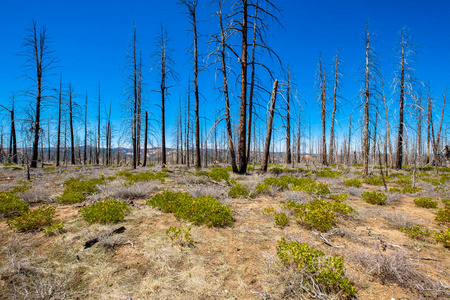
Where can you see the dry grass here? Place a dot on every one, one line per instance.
(238, 262)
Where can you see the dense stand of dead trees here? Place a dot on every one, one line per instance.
(241, 37)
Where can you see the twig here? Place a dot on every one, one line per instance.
(325, 240)
(424, 258)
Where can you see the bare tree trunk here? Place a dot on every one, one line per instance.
(85, 131)
(273, 99)
(187, 125)
(97, 154)
(139, 110)
(299, 134)
(226, 96)
(349, 139)
(58, 138)
(430, 124)
(388, 137)
(323, 98)
(365, 161)
(438, 141)
(419, 125)
(38, 49)
(145, 139)
(72, 138)
(243, 106)
(333, 114)
(252, 84)
(399, 159)
(288, 120)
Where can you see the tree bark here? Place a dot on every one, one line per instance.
(273, 99)
(399, 158)
(365, 160)
(333, 114)
(243, 106)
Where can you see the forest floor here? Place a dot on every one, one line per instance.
(235, 262)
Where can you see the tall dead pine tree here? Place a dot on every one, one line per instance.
(323, 100)
(273, 99)
(288, 117)
(39, 60)
(335, 96)
(191, 11)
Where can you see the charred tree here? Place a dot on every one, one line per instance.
(273, 99)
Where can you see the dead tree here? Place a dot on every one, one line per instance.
(12, 137)
(165, 65)
(85, 131)
(39, 60)
(97, 152)
(191, 12)
(404, 80)
(145, 139)
(323, 100)
(60, 112)
(337, 76)
(388, 136)
(288, 117)
(71, 107)
(273, 99)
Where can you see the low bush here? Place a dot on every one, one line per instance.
(353, 182)
(338, 197)
(200, 210)
(49, 169)
(180, 236)
(314, 188)
(403, 181)
(105, 212)
(269, 211)
(433, 181)
(20, 189)
(443, 236)
(239, 190)
(33, 219)
(443, 215)
(410, 189)
(425, 202)
(374, 180)
(325, 271)
(218, 174)
(55, 229)
(416, 232)
(446, 201)
(318, 214)
(281, 220)
(328, 174)
(374, 197)
(11, 203)
(71, 197)
(262, 188)
(285, 181)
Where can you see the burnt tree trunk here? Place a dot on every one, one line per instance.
(273, 99)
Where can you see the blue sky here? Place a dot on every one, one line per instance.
(91, 39)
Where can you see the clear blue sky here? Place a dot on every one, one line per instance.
(91, 39)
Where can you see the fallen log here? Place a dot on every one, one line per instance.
(95, 240)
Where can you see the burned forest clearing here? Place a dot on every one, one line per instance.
(96, 232)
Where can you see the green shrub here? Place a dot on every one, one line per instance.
(395, 190)
(314, 188)
(446, 201)
(444, 169)
(201, 210)
(54, 229)
(105, 212)
(374, 180)
(328, 174)
(19, 189)
(180, 236)
(48, 169)
(218, 174)
(443, 237)
(403, 181)
(425, 202)
(318, 214)
(71, 197)
(433, 181)
(11, 203)
(281, 220)
(338, 197)
(124, 173)
(357, 165)
(328, 272)
(239, 191)
(416, 232)
(269, 211)
(262, 188)
(146, 176)
(285, 181)
(353, 182)
(443, 215)
(17, 169)
(410, 189)
(33, 219)
(374, 197)
(8, 164)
